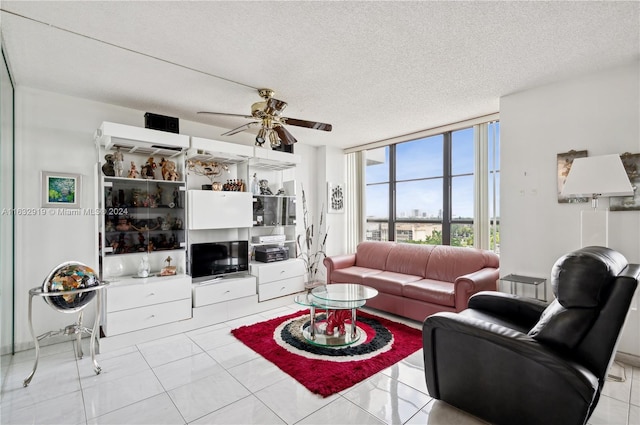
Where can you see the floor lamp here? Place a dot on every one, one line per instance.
(597, 177)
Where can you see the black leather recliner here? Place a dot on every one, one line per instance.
(514, 360)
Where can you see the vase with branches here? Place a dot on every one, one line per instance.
(312, 243)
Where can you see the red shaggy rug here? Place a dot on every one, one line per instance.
(328, 370)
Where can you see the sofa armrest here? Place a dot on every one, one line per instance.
(465, 286)
(338, 262)
(464, 355)
(527, 310)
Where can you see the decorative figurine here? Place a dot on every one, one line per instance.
(280, 192)
(264, 188)
(118, 163)
(143, 267)
(168, 270)
(176, 198)
(107, 167)
(166, 224)
(133, 171)
(255, 187)
(148, 169)
(169, 170)
(336, 319)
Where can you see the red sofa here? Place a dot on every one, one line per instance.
(416, 281)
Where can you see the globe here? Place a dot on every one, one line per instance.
(68, 276)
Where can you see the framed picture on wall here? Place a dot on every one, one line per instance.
(60, 190)
(631, 162)
(335, 197)
(564, 166)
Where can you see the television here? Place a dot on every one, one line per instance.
(211, 259)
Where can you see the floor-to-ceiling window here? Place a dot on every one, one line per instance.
(424, 190)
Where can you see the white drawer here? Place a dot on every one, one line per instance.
(225, 290)
(280, 288)
(146, 317)
(134, 293)
(270, 272)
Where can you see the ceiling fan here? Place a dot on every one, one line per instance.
(267, 115)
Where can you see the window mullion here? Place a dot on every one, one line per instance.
(446, 189)
(392, 193)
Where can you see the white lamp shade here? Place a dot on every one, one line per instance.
(597, 176)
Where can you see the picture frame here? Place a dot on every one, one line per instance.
(564, 166)
(631, 163)
(60, 190)
(335, 198)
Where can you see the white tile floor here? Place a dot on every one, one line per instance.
(207, 377)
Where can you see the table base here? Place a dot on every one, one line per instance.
(320, 338)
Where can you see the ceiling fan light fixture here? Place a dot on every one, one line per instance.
(274, 140)
(261, 137)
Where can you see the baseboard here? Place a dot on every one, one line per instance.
(629, 359)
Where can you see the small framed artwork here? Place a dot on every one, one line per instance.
(335, 197)
(61, 190)
(631, 162)
(564, 165)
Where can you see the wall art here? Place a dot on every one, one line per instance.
(631, 162)
(60, 190)
(564, 165)
(335, 197)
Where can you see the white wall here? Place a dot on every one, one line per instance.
(55, 133)
(599, 113)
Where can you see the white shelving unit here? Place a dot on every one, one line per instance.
(275, 215)
(141, 218)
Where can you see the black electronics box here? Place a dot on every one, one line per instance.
(284, 148)
(161, 122)
(269, 254)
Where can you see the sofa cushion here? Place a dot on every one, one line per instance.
(432, 291)
(373, 255)
(446, 263)
(409, 259)
(352, 274)
(389, 282)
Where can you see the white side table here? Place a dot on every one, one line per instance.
(515, 279)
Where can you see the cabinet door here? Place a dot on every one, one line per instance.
(219, 210)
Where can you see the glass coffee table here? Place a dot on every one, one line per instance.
(340, 302)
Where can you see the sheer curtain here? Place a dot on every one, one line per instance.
(355, 202)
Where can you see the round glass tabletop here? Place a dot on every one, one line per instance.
(344, 292)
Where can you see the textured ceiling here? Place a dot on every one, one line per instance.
(374, 70)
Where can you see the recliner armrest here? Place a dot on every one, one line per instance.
(526, 310)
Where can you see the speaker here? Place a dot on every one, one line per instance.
(161, 122)
(284, 148)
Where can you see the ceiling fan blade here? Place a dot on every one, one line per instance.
(239, 129)
(274, 106)
(225, 114)
(308, 124)
(286, 137)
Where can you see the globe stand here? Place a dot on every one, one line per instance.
(73, 329)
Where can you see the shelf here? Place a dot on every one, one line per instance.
(215, 150)
(267, 159)
(142, 141)
(141, 181)
(275, 196)
(108, 251)
(272, 243)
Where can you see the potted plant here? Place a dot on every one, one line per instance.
(311, 246)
